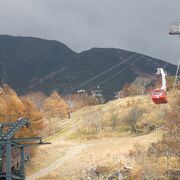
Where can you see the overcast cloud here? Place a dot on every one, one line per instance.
(136, 25)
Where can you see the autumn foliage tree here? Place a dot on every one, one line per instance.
(36, 117)
(81, 100)
(12, 108)
(141, 85)
(137, 87)
(55, 106)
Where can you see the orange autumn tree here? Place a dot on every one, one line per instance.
(12, 108)
(130, 89)
(3, 109)
(36, 117)
(55, 106)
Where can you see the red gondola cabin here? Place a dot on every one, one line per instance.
(159, 96)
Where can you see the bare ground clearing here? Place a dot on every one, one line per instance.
(76, 157)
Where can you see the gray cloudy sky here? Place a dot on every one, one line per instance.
(136, 25)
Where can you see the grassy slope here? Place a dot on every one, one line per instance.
(61, 144)
(117, 110)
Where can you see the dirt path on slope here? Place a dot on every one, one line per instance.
(57, 163)
(78, 156)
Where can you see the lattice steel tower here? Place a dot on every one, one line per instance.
(175, 30)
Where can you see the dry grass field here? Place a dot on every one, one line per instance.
(71, 152)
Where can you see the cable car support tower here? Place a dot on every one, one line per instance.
(13, 151)
(175, 30)
(176, 81)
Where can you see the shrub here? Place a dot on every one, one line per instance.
(132, 117)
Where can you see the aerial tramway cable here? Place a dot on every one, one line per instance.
(106, 80)
(96, 76)
(104, 72)
(114, 75)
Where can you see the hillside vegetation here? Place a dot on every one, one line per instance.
(100, 140)
(46, 113)
(89, 129)
(125, 116)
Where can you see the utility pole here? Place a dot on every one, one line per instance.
(175, 30)
(70, 105)
(97, 93)
(177, 75)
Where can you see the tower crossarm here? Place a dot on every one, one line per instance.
(14, 128)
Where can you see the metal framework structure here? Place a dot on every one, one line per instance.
(97, 92)
(175, 30)
(9, 145)
(116, 95)
(80, 91)
(70, 105)
(176, 81)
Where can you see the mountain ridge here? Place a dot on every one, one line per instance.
(48, 65)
